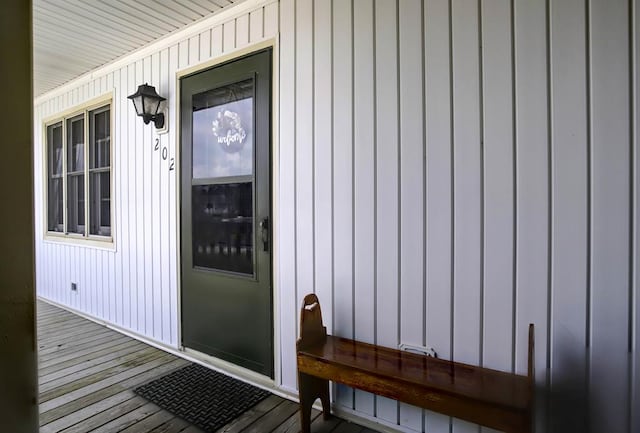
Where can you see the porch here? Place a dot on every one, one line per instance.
(87, 373)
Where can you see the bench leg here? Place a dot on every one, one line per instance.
(311, 388)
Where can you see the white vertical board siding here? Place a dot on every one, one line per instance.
(138, 179)
(499, 184)
(499, 254)
(342, 176)
(173, 203)
(242, 31)
(411, 144)
(228, 35)
(287, 208)
(323, 153)
(255, 25)
(532, 189)
(271, 19)
(610, 209)
(148, 219)
(364, 188)
(135, 286)
(386, 187)
(216, 41)
(468, 188)
(570, 216)
(304, 161)
(166, 290)
(483, 167)
(439, 233)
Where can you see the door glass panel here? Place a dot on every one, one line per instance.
(223, 131)
(223, 226)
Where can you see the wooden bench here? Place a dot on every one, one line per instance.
(495, 399)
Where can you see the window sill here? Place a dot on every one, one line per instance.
(94, 242)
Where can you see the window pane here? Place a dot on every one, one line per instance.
(223, 131)
(100, 209)
(99, 138)
(75, 144)
(54, 144)
(223, 227)
(75, 203)
(55, 204)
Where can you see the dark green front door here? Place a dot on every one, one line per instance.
(226, 212)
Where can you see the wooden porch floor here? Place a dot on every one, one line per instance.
(87, 373)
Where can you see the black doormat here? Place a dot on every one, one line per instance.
(201, 396)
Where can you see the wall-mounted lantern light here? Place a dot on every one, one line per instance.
(147, 104)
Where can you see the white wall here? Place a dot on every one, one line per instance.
(449, 171)
(457, 170)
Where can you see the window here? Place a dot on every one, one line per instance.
(79, 174)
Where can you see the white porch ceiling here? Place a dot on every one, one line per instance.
(73, 37)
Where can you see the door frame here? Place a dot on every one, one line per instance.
(174, 118)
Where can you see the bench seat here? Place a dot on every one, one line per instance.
(492, 398)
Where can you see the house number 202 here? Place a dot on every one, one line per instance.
(165, 154)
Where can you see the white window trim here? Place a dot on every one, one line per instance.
(88, 240)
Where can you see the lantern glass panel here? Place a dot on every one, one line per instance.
(151, 105)
(137, 103)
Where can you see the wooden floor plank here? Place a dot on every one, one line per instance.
(174, 425)
(72, 361)
(52, 340)
(109, 416)
(72, 406)
(81, 346)
(64, 322)
(67, 325)
(44, 316)
(58, 320)
(252, 415)
(292, 424)
(149, 423)
(74, 355)
(87, 388)
(128, 419)
(62, 351)
(273, 418)
(111, 357)
(348, 427)
(88, 372)
(77, 421)
(67, 332)
(110, 366)
(71, 342)
(100, 379)
(45, 310)
(320, 425)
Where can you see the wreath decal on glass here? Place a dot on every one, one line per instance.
(228, 130)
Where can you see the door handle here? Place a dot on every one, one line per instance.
(264, 228)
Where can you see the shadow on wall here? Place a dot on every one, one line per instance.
(567, 397)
